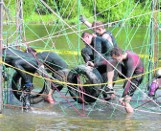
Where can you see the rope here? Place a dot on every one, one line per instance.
(49, 36)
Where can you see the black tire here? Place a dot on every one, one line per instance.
(90, 76)
(60, 75)
(36, 96)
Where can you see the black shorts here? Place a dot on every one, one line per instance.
(130, 87)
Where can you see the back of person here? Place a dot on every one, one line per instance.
(111, 39)
(103, 47)
(53, 60)
(11, 54)
(134, 64)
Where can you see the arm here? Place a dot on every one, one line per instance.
(130, 72)
(130, 68)
(88, 24)
(86, 54)
(113, 40)
(98, 48)
(83, 20)
(108, 37)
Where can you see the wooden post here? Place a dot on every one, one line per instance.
(1, 45)
(19, 21)
(153, 48)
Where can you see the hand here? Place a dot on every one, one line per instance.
(90, 63)
(82, 19)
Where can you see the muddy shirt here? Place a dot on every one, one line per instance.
(102, 46)
(111, 38)
(132, 67)
(132, 64)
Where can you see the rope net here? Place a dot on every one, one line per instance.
(65, 40)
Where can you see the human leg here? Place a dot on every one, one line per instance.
(130, 87)
(125, 101)
(49, 97)
(110, 77)
(27, 87)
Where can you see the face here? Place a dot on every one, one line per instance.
(87, 39)
(118, 58)
(98, 31)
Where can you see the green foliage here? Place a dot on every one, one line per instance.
(88, 4)
(115, 11)
(41, 9)
(28, 7)
(68, 8)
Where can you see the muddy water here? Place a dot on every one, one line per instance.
(15, 120)
(62, 116)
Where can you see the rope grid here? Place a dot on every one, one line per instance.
(61, 30)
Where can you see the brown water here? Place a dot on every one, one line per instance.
(62, 116)
(15, 120)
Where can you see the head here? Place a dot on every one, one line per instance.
(117, 54)
(87, 37)
(98, 27)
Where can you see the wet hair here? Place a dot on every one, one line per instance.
(98, 24)
(116, 51)
(84, 34)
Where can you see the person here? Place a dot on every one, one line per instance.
(99, 29)
(132, 69)
(154, 86)
(30, 62)
(92, 58)
(53, 63)
(22, 62)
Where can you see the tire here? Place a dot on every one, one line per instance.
(36, 95)
(60, 75)
(90, 76)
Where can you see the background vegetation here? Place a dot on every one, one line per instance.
(108, 10)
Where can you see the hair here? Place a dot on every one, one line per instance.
(116, 51)
(98, 24)
(84, 34)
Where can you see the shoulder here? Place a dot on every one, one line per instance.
(108, 32)
(105, 36)
(131, 53)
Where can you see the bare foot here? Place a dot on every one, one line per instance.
(128, 108)
(50, 100)
(113, 96)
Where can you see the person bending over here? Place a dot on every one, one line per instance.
(99, 29)
(92, 58)
(54, 64)
(31, 61)
(22, 61)
(133, 69)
